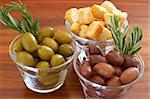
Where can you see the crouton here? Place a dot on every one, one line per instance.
(83, 30)
(72, 15)
(108, 5)
(95, 28)
(98, 11)
(122, 15)
(107, 18)
(75, 27)
(105, 34)
(83, 27)
(102, 23)
(85, 16)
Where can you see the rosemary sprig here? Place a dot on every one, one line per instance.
(130, 47)
(25, 24)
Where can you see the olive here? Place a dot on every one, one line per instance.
(97, 79)
(45, 32)
(25, 58)
(114, 81)
(42, 65)
(105, 70)
(45, 53)
(17, 46)
(129, 75)
(85, 69)
(130, 61)
(115, 58)
(29, 42)
(95, 59)
(50, 79)
(57, 60)
(50, 43)
(66, 50)
(93, 49)
(62, 37)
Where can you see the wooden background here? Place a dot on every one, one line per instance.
(51, 12)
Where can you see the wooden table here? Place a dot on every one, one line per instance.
(51, 12)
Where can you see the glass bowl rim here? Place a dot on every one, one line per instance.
(108, 87)
(25, 67)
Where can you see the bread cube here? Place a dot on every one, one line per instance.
(83, 30)
(116, 11)
(108, 5)
(98, 11)
(82, 33)
(85, 16)
(75, 27)
(83, 27)
(72, 15)
(102, 23)
(123, 15)
(107, 18)
(96, 19)
(95, 28)
(105, 34)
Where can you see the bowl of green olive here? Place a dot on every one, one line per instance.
(43, 61)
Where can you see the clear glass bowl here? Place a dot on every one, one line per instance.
(95, 91)
(53, 80)
(83, 42)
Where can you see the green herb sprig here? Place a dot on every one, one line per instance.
(25, 24)
(130, 47)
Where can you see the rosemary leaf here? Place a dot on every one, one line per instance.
(135, 51)
(25, 24)
(120, 38)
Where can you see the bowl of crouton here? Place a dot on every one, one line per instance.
(89, 25)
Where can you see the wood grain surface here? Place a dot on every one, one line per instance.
(51, 13)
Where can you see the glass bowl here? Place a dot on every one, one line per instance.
(83, 42)
(54, 79)
(96, 91)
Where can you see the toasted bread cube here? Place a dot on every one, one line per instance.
(107, 18)
(98, 11)
(105, 34)
(75, 27)
(85, 16)
(83, 31)
(96, 19)
(108, 5)
(116, 11)
(123, 15)
(84, 27)
(72, 15)
(95, 28)
(102, 23)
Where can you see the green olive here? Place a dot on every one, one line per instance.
(45, 53)
(43, 65)
(62, 37)
(66, 50)
(45, 32)
(50, 79)
(29, 42)
(50, 43)
(25, 58)
(17, 46)
(57, 60)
